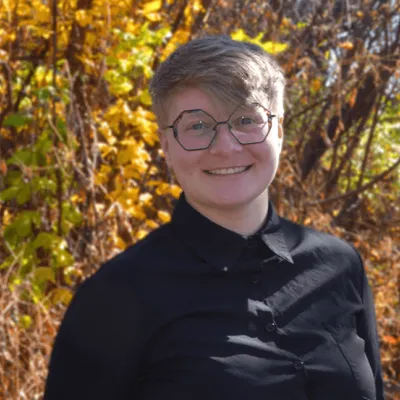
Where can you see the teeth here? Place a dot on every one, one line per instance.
(227, 171)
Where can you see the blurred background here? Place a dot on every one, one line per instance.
(82, 175)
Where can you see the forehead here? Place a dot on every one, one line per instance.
(194, 98)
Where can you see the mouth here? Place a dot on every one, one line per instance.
(228, 171)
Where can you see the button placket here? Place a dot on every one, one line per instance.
(256, 277)
(271, 327)
(252, 242)
(298, 365)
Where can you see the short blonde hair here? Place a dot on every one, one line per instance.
(235, 72)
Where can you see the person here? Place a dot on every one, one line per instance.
(228, 299)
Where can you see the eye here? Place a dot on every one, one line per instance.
(246, 121)
(197, 126)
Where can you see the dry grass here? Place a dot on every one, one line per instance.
(24, 351)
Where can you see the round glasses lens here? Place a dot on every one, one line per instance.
(250, 123)
(195, 129)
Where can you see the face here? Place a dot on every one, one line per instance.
(227, 175)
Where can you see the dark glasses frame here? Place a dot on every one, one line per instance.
(173, 126)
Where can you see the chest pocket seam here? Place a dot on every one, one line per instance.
(338, 330)
(338, 337)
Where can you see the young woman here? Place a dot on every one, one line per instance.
(228, 299)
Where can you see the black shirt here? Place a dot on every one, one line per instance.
(195, 311)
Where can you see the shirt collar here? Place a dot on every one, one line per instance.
(219, 246)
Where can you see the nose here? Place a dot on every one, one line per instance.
(224, 142)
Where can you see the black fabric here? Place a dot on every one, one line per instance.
(195, 311)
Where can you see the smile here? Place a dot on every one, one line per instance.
(228, 171)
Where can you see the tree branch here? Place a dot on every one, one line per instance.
(356, 191)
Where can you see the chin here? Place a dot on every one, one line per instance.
(231, 202)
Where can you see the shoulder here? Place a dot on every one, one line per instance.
(322, 249)
(115, 296)
(126, 279)
(139, 257)
(306, 239)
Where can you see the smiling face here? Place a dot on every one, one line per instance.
(227, 175)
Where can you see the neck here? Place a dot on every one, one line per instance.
(245, 220)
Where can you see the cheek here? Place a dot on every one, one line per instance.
(274, 147)
(268, 154)
(184, 164)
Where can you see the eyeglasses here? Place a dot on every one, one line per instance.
(196, 129)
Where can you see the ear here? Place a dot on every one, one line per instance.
(165, 147)
(280, 134)
(280, 131)
(280, 128)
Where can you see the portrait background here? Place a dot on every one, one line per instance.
(82, 175)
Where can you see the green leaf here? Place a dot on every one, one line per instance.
(16, 120)
(43, 274)
(21, 157)
(71, 214)
(25, 321)
(24, 227)
(44, 93)
(62, 258)
(13, 177)
(44, 184)
(46, 240)
(10, 234)
(7, 263)
(9, 193)
(27, 263)
(61, 295)
(61, 127)
(24, 194)
(42, 149)
(21, 226)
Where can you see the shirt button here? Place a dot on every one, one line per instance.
(298, 365)
(225, 269)
(271, 327)
(256, 278)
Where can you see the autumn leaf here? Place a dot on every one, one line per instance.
(25, 321)
(164, 216)
(83, 17)
(151, 6)
(391, 339)
(346, 45)
(61, 295)
(268, 46)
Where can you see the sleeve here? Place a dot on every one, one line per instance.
(367, 329)
(97, 350)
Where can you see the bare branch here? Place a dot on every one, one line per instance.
(358, 191)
